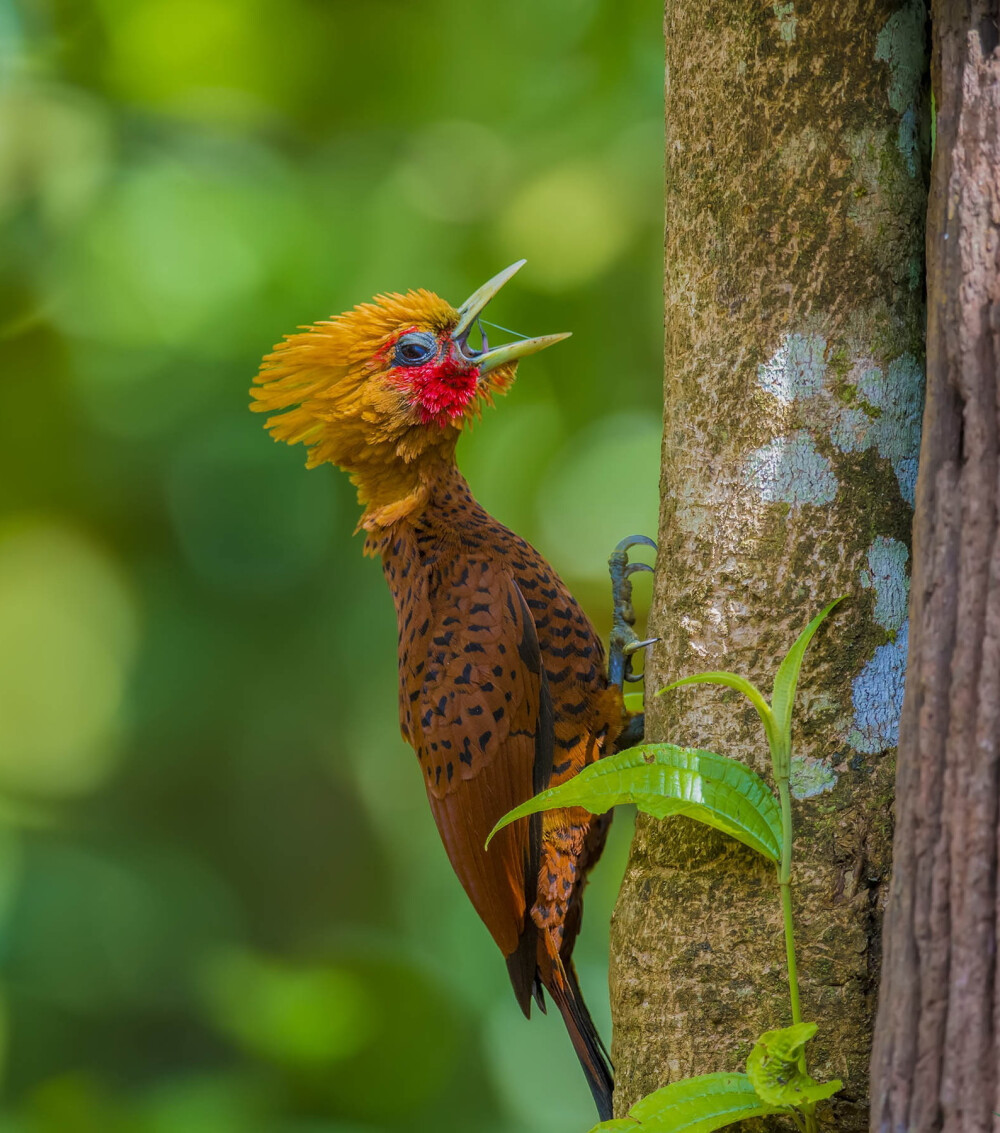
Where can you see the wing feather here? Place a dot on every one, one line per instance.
(478, 712)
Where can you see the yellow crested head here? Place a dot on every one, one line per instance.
(383, 391)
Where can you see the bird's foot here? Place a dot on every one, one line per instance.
(624, 642)
(633, 733)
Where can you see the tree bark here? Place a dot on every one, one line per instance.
(937, 1051)
(796, 140)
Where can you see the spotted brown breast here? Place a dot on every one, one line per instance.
(503, 693)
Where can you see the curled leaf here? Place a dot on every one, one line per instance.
(740, 684)
(775, 1068)
(783, 696)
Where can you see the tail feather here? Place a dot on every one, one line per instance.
(590, 1050)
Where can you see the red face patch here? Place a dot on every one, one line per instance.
(442, 388)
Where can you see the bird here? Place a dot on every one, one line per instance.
(503, 689)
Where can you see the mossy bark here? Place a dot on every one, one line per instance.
(796, 146)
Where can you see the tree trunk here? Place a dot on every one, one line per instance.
(937, 1051)
(794, 320)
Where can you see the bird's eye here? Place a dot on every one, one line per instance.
(414, 349)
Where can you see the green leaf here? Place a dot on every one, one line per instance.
(775, 1068)
(695, 1105)
(635, 701)
(740, 684)
(783, 696)
(664, 780)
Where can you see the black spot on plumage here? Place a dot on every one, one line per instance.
(562, 613)
(437, 774)
(475, 710)
(473, 647)
(480, 608)
(445, 639)
(425, 627)
(498, 713)
(474, 628)
(451, 771)
(464, 679)
(484, 740)
(561, 768)
(564, 651)
(552, 593)
(557, 677)
(425, 720)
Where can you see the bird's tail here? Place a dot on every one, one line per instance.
(592, 1053)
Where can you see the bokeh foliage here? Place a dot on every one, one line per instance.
(223, 904)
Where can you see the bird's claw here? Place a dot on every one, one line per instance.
(634, 541)
(635, 646)
(624, 641)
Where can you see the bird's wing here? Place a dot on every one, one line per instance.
(477, 710)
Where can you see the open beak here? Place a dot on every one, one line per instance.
(473, 307)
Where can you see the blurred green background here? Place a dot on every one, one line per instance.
(224, 907)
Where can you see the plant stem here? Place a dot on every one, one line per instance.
(793, 976)
(785, 885)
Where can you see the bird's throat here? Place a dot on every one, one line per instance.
(398, 491)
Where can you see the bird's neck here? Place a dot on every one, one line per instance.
(399, 491)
